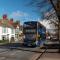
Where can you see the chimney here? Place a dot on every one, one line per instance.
(4, 17)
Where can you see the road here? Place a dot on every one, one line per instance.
(7, 54)
(27, 53)
(50, 56)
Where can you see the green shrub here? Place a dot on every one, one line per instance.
(4, 41)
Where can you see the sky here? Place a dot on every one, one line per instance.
(19, 10)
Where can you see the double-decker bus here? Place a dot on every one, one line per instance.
(35, 33)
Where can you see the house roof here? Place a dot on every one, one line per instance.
(7, 23)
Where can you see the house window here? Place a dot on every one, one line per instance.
(16, 35)
(4, 29)
(12, 31)
(17, 30)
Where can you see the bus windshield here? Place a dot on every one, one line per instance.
(30, 27)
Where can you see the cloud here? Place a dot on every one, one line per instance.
(18, 14)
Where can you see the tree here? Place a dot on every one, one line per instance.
(17, 22)
(40, 4)
(57, 9)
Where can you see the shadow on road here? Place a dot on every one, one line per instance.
(15, 45)
(20, 46)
